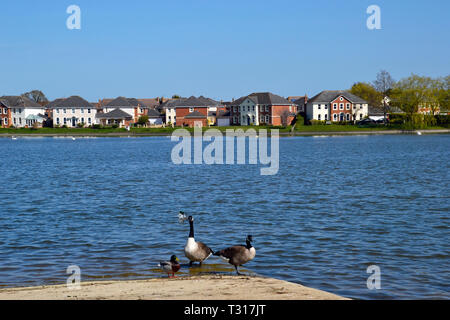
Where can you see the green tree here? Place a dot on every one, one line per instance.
(368, 93)
(410, 93)
(143, 120)
(175, 96)
(37, 96)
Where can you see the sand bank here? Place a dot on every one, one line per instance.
(211, 287)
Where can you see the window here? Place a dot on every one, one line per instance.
(82, 110)
(20, 110)
(348, 106)
(64, 110)
(234, 109)
(361, 107)
(57, 121)
(89, 110)
(335, 117)
(191, 109)
(253, 119)
(20, 121)
(73, 110)
(318, 107)
(334, 106)
(14, 110)
(15, 120)
(341, 99)
(360, 116)
(326, 106)
(261, 108)
(290, 108)
(348, 116)
(326, 117)
(253, 109)
(142, 110)
(318, 117)
(261, 119)
(6, 121)
(341, 106)
(89, 120)
(267, 118)
(57, 110)
(65, 121)
(82, 120)
(267, 108)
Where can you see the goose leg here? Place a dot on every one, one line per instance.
(237, 271)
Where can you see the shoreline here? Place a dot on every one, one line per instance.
(201, 287)
(282, 134)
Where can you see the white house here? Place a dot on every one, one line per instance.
(72, 112)
(24, 112)
(336, 106)
(132, 106)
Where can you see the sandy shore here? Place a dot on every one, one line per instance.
(205, 287)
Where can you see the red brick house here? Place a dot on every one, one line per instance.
(263, 108)
(192, 110)
(5, 114)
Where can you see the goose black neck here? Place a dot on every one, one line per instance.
(249, 244)
(191, 231)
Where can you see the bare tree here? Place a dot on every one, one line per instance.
(383, 84)
(284, 118)
(36, 96)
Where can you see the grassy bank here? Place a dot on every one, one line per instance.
(168, 130)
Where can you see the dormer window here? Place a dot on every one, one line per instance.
(341, 99)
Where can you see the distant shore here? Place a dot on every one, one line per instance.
(204, 287)
(99, 133)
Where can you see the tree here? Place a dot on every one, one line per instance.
(175, 96)
(384, 84)
(409, 93)
(142, 120)
(368, 93)
(36, 96)
(285, 118)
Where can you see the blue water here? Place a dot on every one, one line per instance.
(337, 205)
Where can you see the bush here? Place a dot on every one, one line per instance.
(443, 120)
(64, 126)
(115, 126)
(300, 121)
(96, 126)
(80, 125)
(318, 122)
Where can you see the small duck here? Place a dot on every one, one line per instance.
(181, 217)
(195, 251)
(171, 266)
(238, 255)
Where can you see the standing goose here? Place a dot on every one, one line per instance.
(171, 266)
(238, 255)
(195, 251)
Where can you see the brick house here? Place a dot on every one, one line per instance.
(262, 108)
(336, 106)
(191, 110)
(5, 114)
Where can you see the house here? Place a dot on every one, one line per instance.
(193, 110)
(223, 118)
(21, 112)
(115, 117)
(301, 103)
(263, 108)
(72, 112)
(132, 106)
(336, 106)
(168, 108)
(154, 117)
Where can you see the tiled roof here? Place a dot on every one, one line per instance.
(191, 102)
(71, 102)
(264, 98)
(329, 95)
(152, 113)
(115, 114)
(19, 101)
(195, 114)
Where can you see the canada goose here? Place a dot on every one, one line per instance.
(238, 255)
(195, 251)
(171, 266)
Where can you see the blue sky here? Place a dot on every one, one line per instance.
(220, 49)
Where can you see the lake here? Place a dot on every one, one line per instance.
(338, 205)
